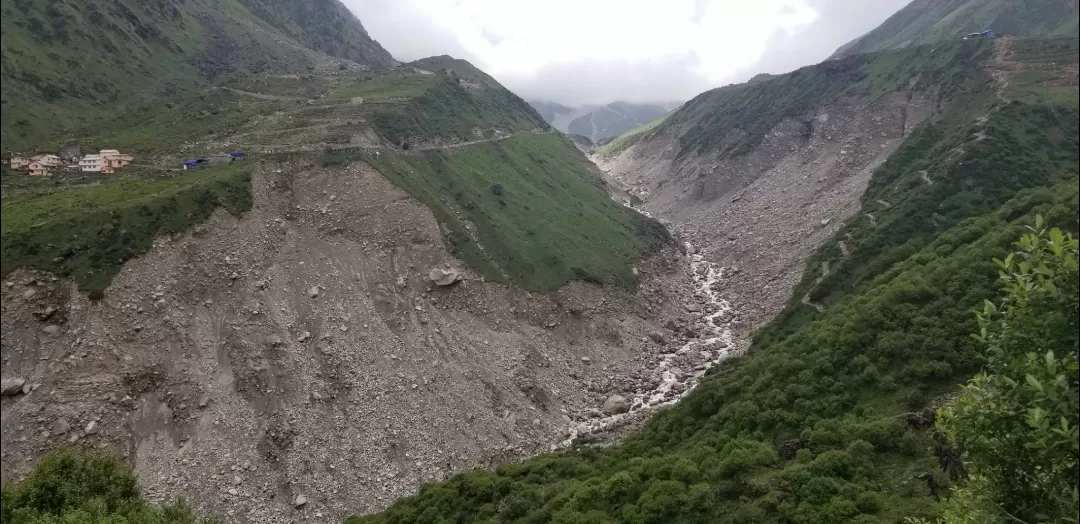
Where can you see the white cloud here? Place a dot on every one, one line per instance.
(592, 51)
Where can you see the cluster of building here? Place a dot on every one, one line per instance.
(106, 161)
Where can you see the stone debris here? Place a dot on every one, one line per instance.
(9, 387)
(444, 277)
(253, 378)
(60, 426)
(615, 405)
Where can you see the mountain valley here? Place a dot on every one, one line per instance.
(415, 297)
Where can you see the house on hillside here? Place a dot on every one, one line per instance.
(19, 162)
(48, 160)
(114, 159)
(36, 168)
(90, 164)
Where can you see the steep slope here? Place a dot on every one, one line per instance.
(828, 417)
(928, 21)
(326, 26)
(68, 66)
(410, 275)
(764, 172)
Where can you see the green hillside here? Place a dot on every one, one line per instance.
(69, 65)
(530, 209)
(824, 419)
(931, 21)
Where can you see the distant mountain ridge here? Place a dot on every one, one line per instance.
(615, 119)
(928, 21)
(600, 122)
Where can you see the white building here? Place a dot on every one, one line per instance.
(90, 163)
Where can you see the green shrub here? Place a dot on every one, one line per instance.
(75, 487)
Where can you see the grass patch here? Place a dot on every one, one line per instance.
(554, 221)
(87, 232)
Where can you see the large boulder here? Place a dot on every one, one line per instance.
(616, 404)
(10, 387)
(444, 277)
(659, 337)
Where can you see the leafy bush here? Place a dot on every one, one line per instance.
(1018, 419)
(72, 487)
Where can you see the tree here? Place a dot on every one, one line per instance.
(1017, 420)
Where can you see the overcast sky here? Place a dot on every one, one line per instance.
(596, 51)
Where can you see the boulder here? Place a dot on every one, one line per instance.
(300, 501)
(659, 337)
(444, 277)
(313, 292)
(615, 405)
(9, 387)
(60, 427)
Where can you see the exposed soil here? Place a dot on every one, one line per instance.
(301, 350)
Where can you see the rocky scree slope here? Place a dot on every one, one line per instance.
(300, 352)
(760, 174)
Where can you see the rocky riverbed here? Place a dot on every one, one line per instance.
(708, 341)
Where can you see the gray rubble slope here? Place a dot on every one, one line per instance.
(301, 350)
(760, 215)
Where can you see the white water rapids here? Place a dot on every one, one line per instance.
(714, 338)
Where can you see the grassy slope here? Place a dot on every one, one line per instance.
(452, 110)
(70, 65)
(326, 26)
(553, 222)
(87, 232)
(929, 21)
(834, 385)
